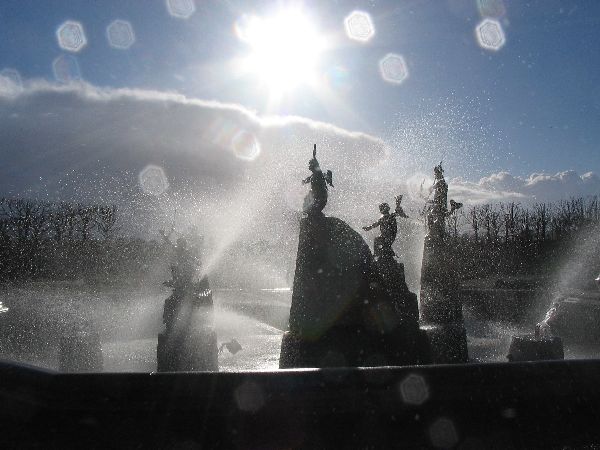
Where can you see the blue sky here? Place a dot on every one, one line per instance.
(534, 104)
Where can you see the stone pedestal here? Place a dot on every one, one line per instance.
(196, 351)
(80, 351)
(189, 342)
(440, 305)
(447, 343)
(347, 309)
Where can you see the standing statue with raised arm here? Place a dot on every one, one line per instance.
(316, 199)
(388, 228)
(437, 209)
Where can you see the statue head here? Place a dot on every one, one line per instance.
(384, 208)
(313, 165)
(438, 170)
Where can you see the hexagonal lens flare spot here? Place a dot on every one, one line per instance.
(10, 81)
(120, 34)
(182, 9)
(443, 434)
(66, 69)
(71, 36)
(414, 390)
(245, 145)
(359, 26)
(393, 68)
(490, 35)
(153, 180)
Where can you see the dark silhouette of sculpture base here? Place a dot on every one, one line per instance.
(440, 306)
(189, 341)
(348, 309)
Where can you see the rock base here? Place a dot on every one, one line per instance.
(529, 348)
(351, 348)
(447, 344)
(196, 351)
(348, 309)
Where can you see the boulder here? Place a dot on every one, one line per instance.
(347, 309)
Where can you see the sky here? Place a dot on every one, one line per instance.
(527, 112)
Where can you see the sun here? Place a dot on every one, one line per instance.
(284, 49)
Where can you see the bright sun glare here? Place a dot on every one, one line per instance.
(284, 49)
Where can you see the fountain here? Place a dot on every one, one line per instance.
(440, 306)
(348, 307)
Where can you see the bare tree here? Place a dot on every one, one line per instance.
(106, 221)
(474, 216)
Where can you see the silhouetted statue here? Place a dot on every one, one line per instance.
(316, 199)
(189, 340)
(388, 228)
(440, 304)
(437, 209)
(184, 273)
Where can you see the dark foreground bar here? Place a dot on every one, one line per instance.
(516, 405)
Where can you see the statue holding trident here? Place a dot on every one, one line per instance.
(388, 228)
(316, 199)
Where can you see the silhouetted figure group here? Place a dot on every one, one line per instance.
(349, 306)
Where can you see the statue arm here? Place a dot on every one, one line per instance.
(400, 214)
(370, 227)
(307, 180)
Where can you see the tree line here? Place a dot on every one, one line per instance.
(514, 239)
(63, 240)
(66, 241)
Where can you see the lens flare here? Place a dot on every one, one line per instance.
(245, 146)
(491, 8)
(66, 69)
(71, 36)
(10, 82)
(443, 433)
(359, 26)
(490, 35)
(181, 9)
(414, 390)
(232, 137)
(153, 180)
(393, 68)
(338, 78)
(120, 34)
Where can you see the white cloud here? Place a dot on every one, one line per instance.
(537, 187)
(84, 143)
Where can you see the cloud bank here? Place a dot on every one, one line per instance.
(537, 187)
(233, 174)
